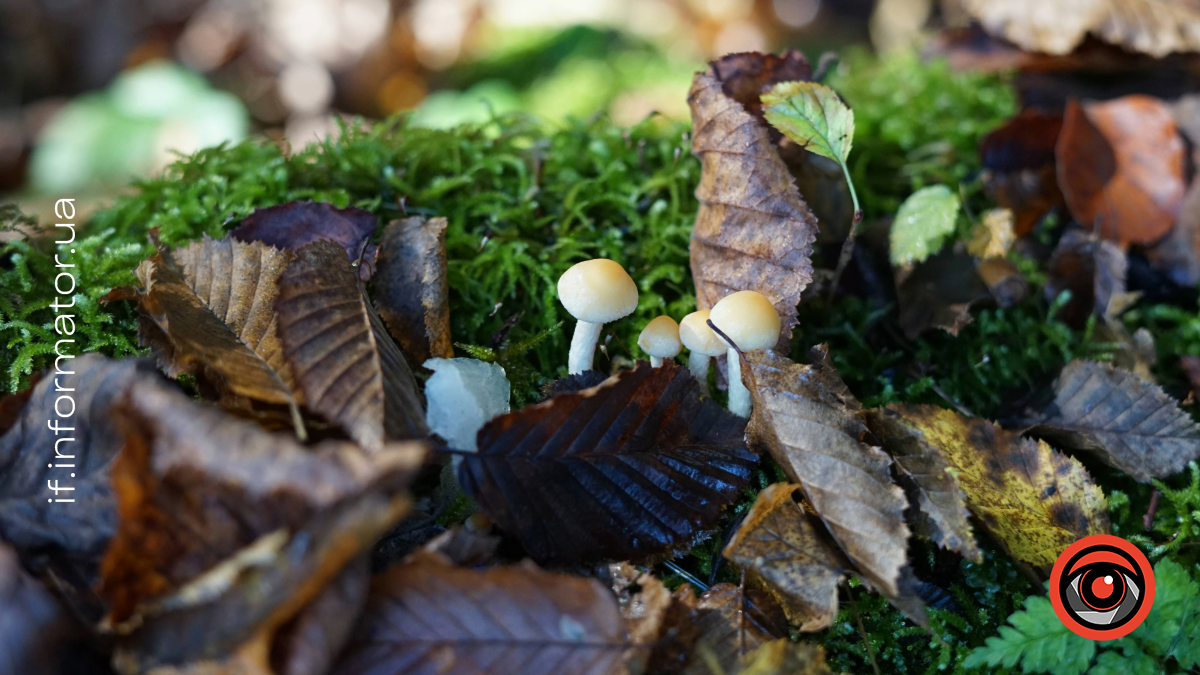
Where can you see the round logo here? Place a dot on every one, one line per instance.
(1102, 587)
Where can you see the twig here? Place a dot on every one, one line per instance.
(687, 576)
(847, 251)
(1148, 519)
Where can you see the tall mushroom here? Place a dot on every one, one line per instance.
(595, 292)
(703, 343)
(660, 339)
(751, 322)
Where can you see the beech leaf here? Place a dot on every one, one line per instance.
(732, 622)
(806, 417)
(1121, 167)
(922, 224)
(295, 224)
(662, 625)
(411, 289)
(228, 531)
(426, 615)
(781, 544)
(1031, 499)
(637, 465)
(348, 367)
(939, 293)
(1128, 422)
(1092, 269)
(1019, 167)
(753, 230)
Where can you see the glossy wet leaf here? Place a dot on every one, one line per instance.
(753, 230)
(1126, 421)
(1033, 500)
(922, 224)
(635, 466)
(806, 417)
(427, 616)
(779, 542)
(411, 289)
(348, 367)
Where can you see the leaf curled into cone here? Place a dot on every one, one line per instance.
(207, 309)
(347, 366)
(1128, 422)
(411, 289)
(1121, 168)
(633, 467)
(753, 230)
(227, 531)
(806, 417)
(295, 224)
(427, 616)
(1031, 499)
(784, 547)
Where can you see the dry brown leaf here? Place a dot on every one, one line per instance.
(806, 417)
(662, 626)
(939, 293)
(227, 531)
(1154, 27)
(1128, 422)
(348, 367)
(1019, 167)
(311, 642)
(731, 623)
(1003, 280)
(411, 289)
(753, 230)
(633, 467)
(294, 224)
(1121, 168)
(427, 616)
(783, 546)
(1092, 269)
(1178, 254)
(207, 310)
(1031, 499)
(784, 657)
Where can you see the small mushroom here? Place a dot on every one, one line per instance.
(704, 344)
(595, 292)
(751, 322)
(660, 339)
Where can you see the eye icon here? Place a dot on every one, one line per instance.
(1102, 587)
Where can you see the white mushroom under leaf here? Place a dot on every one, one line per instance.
(750, 321)
(660, 339)
(703, 343)
(595, 292)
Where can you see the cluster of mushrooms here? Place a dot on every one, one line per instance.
(600, 291)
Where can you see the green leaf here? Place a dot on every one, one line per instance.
(1038, 641)
(815, 118)
(922, 224)
(1132, 662)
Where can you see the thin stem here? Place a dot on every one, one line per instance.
(848, 245)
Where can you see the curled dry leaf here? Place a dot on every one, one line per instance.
(1128, 422)
(295, 224)
(806, 417)
(411, 289)
(731, 622)
(1019, 167)
(347, 366)
(1092, 269)
(662, 625)
(78, 532)
(227, 531)
(1121, 168)
(635, 466)
(1033, 500)
(753, 230)
(783, 546)
(1154, 27)
(931, 484)
(427, 616)
(207, 310)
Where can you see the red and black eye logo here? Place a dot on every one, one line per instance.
(1102, 587)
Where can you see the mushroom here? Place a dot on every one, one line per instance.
(595, 292)
(750, 322)
(703, 343)
(660, 339)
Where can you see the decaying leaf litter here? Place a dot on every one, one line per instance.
(243, 516)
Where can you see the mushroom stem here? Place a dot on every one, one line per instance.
(583, 346)
(698, 364)
(739, 395)
(655, 361)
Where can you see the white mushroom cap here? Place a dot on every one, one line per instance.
(698, 337)
(748, 318)
(660, 338)
(597, 291)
